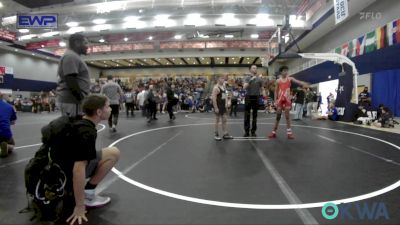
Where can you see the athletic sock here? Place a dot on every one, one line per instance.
(90, 186)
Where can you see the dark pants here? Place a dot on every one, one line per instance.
(130, 107)
(152, 110)
(113, 119)
(170, 106)
(234, 108)
(251, 103)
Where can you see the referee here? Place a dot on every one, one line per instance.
(253, 86)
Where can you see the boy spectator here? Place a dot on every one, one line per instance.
(87, 162)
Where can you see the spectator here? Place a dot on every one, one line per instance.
(86, 161)
(299, 104)
(130, 99)
(74, 79)
(386, 119)
(364, 98)
(332, 113)
(7, 118)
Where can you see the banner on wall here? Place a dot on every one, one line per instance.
(341, 10)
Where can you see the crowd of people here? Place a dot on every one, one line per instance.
(76, 97)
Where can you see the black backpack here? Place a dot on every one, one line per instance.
(48, 175)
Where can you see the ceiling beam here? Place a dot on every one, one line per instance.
(142, 62)
(170, 61)
(184, 61)
(198, 61)
(255, 60)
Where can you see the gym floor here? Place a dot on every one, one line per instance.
(168, 171)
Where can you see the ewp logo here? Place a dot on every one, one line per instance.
(37, 21)
(353, 211)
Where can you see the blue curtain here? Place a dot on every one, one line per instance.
(386, 90)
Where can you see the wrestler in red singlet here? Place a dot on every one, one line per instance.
(283, 100)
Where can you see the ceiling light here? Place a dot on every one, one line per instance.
(134, 24)
(62, 44)
(101, 40)
(178, 37)
(47, 57)
(74, 30)
(131, 18)
(229, 36)
(8, 20)
(141, 10)
(99, 21)
(262, 19)
(228, 19)
(33, 54)
(16, 50)
(126, 39)
(107, 7)
(150, 38)
(296, 21)
(144, 60)
(130, 64)
(173, 59)
(194, 19)
(163, 21)
(42, 46)
(102, 27)
(27, 37)
(49, 34)
(131, 60)
(203, 36)
(72, 24)
(23, 31)
(255, 36)
(217, 58)
(1, 5)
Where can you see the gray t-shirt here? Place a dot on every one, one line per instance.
(71, 63)
(255, 85)
(113, 91)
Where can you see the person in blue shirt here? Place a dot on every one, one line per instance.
(332, 113)
(7, 118)
(364, 98)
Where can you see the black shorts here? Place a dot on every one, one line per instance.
(92, 164)
(9, 141)
(221, 109)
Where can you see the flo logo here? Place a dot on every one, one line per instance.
(355, 211)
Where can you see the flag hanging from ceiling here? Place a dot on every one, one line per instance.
(338, 50)
(370, 42)
(393, 32)
(345, 49)
(381, 37)
(354, 48)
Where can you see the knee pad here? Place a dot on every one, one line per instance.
(278, 116)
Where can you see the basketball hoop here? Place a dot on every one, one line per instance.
(265, 60)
